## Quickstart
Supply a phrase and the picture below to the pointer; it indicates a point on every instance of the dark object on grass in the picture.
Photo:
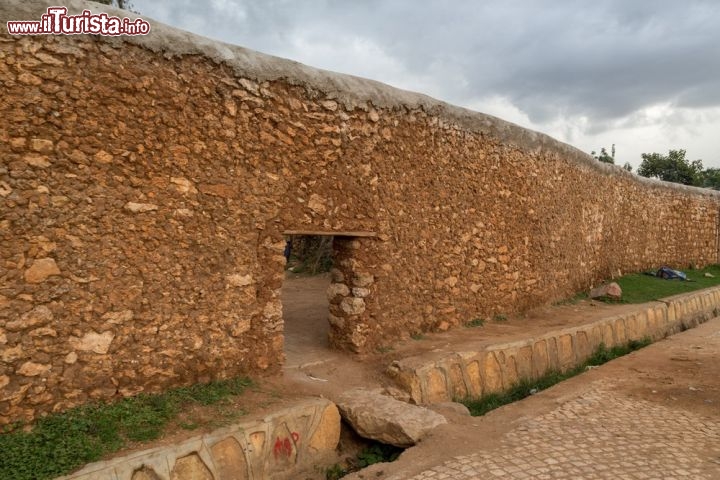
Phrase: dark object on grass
(668, 273)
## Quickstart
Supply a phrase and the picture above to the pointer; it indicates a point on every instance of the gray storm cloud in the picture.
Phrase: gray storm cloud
(603, 61)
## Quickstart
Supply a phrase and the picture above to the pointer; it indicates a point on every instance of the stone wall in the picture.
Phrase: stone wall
(146, 184)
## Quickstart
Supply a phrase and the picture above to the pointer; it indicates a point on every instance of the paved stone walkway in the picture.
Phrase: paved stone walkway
(599, 435)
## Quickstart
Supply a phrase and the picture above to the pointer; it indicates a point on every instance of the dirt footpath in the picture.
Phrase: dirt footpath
(653, 414)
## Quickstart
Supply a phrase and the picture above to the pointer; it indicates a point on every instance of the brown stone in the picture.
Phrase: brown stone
(337, 290)
(385, 419)
(140, 207)
(11, 354)
(190, 467)
(352, 305)
(41, 269)
(238, 280)
(35, 160)
(37, 317)
(32, 369)
(71, 358)
(317, 204)
(103, 157)
(361, 279)
(93, 342)
(229, 459)
(41, 145)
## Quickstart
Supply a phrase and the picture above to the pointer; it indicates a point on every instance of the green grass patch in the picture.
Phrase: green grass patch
(475, 322)
(573, 300)
(526, 387)
(59, 443)
(500, 317)
(640, 288)
(374, 453)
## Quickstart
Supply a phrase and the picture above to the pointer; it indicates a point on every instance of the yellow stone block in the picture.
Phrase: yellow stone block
(541, 361)
(492, 376)
(473, 373)
(326, 436)
(229, 459)
(436, 387)
(190, 467)
(566, 355)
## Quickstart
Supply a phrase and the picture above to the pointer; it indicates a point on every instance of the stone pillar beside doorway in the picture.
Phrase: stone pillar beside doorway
(349, 292)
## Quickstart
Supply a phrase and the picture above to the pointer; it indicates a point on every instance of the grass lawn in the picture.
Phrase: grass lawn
(639, 288)
(61, 442)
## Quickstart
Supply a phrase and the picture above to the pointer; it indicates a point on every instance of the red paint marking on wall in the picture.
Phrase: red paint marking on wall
(283, 447)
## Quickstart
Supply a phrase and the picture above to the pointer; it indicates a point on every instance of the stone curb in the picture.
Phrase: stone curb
(497, 367)
(278, 446)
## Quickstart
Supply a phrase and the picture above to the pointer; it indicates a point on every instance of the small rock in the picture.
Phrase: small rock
(140, 207)
(336, 275)
(93, 342)
(337, 289)
(35, 160)
(317, 204)
(183, 185)
(37, 317)
(611, 290)
(4, 381)
(32, 369)
(41, 145)
(5, 189)
(329, 105)
(103, 157)
(41, 269)
(118, 318)
(363, 279)
(352, 305)
(360, 292)
(709, 275)
(382, 418)
(240, 326)
(237, 280)
(71, 358)
(373, 116)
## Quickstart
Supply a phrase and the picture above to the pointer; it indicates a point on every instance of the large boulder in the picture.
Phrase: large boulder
(382, 418)
(611, 290)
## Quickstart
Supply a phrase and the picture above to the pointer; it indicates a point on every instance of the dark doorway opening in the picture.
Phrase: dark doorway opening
(304, 298)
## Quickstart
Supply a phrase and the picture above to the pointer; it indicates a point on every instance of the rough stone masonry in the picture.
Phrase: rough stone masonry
(146, 184)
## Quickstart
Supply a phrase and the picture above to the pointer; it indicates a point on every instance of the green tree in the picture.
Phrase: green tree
(711, 178)
(604, 156)
(627, 167)
(673, 167)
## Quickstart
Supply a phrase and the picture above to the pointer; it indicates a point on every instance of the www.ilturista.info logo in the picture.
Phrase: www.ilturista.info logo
(57, 22)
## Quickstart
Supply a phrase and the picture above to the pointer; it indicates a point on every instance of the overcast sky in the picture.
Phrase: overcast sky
(643, 74)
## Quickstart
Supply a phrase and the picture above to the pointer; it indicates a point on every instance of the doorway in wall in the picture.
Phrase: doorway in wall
(315, 262)
(304, 297)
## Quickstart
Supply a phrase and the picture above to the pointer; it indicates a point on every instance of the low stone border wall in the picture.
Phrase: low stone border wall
(278, 446)
(497, 367)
